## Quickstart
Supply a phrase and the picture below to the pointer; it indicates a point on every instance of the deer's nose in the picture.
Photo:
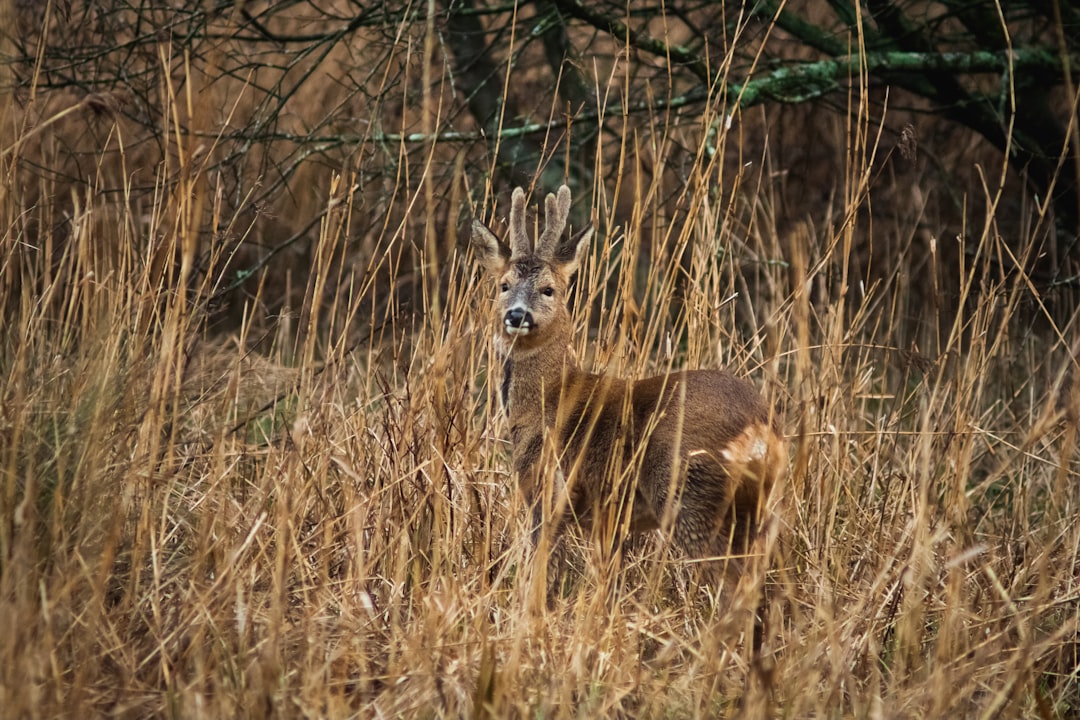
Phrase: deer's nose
(518, 319)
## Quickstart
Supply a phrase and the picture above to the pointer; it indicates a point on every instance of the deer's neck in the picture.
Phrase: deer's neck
(533, 381)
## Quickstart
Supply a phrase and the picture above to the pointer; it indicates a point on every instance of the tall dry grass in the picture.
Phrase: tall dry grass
(313, 516)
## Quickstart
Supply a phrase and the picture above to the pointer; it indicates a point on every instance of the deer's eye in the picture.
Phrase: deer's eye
(505, 287)
(549, 291)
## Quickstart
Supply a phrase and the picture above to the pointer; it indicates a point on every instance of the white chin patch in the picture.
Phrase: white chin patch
(522, 330)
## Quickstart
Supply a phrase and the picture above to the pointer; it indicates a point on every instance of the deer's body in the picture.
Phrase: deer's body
(700, 449)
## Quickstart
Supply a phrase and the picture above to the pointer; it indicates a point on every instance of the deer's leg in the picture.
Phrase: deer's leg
(549, 515)
(709, 526)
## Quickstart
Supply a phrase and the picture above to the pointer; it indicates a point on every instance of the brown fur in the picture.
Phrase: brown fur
(700, 450)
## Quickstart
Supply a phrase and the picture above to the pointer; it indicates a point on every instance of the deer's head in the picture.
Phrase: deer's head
(533, 277)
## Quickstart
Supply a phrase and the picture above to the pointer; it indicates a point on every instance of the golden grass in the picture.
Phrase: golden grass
(312, 516)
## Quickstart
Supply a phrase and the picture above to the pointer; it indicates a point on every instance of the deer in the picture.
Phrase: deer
(692, 452)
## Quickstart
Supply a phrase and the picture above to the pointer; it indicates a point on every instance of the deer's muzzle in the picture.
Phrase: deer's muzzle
(518, 321)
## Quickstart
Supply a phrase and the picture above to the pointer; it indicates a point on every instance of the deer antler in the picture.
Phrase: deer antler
(556, 211)
(520, 246)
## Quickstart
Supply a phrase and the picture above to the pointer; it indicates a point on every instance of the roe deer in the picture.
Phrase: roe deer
(698, 450)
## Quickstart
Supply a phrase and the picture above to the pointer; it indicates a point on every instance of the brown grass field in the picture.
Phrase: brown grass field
(292, 498)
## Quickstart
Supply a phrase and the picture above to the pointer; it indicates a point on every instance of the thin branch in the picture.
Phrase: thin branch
(672, 53)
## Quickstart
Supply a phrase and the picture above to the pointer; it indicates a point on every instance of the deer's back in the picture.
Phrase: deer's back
(706, 425)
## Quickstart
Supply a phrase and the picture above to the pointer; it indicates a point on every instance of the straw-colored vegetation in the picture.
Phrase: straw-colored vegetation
(288, 494)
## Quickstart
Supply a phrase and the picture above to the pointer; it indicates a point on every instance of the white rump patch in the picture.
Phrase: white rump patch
(750, 446)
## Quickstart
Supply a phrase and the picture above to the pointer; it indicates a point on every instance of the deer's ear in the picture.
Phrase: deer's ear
(570, 253)
(492, 253)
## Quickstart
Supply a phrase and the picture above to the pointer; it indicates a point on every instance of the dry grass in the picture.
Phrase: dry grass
(312, 516)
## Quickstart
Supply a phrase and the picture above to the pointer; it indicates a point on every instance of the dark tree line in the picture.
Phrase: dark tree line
(1005, 71)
